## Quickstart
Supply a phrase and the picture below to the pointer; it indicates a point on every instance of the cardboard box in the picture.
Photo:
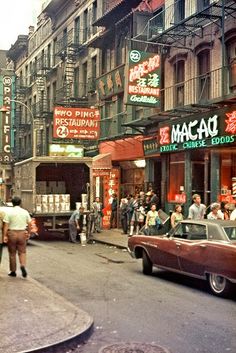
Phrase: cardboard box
(45, 208)
(38, 208)
(51, 207)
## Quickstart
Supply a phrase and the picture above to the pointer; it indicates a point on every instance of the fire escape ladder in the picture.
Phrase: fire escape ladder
(69, 72)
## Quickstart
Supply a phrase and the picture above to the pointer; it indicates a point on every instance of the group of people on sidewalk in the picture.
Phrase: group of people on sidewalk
(139, 211)
(15, 228)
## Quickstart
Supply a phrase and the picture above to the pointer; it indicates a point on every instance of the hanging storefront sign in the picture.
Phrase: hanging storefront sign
(111, 185)
(76, 123)
(211, 129)
(144, 79)
(7, 86)
(111, 83)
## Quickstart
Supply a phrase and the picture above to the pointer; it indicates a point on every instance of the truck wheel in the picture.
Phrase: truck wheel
(219, 285)
(147, 264)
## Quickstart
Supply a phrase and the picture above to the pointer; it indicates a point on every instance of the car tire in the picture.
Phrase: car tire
(219, 285)
(147, 264)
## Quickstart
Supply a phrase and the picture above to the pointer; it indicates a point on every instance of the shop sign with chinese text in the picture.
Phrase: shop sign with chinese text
(111, 83)
(144, 79)
(76, 123)
(211, 129)
(111, 185)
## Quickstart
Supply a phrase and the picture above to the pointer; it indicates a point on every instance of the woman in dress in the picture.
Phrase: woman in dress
(176, 216)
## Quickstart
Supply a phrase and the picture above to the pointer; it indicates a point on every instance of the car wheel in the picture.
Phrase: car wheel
(147, 264)
(219, 285)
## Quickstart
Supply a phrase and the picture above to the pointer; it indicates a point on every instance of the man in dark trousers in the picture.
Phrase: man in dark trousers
(114, 205)
(16, 230)
(75, 224)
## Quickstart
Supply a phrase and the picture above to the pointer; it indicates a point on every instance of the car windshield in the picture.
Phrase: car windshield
(231, 232)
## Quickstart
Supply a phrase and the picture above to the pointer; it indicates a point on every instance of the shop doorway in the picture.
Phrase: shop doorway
(201, 179)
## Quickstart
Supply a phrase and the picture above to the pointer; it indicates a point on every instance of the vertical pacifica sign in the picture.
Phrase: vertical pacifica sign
(144, 79)
(6, 156)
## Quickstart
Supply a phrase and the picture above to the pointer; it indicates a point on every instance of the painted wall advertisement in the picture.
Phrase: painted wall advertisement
(76, 123)
(111, 185)
(144, 79)
(211, 129)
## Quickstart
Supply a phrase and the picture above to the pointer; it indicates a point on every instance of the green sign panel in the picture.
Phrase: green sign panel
(111, 84)
(211, 129)
(144, 79)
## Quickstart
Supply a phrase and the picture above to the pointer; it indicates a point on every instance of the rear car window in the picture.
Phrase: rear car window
(231, 232)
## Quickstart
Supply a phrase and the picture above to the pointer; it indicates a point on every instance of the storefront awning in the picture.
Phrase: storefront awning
(102, 161)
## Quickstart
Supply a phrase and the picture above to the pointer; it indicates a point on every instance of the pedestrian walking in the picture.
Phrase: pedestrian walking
(1, 234)
(75, 225)
(16, 230)
(97, 213)
(215, 212)
(153, 221)
(225, 210)
(124, 215)
(134, 221)
(176, 216)
(197, 210)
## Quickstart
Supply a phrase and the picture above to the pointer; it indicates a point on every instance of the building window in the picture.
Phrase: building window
(76, 83)
(202, 4)
(78, 38)
(231, 61)
(94, 16)
(203, 59)
(179, 83)
(228, 173)
(84, 79)
(176, 176)
(179, 9)
(85, 26)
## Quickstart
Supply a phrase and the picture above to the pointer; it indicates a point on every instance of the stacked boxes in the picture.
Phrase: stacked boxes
(50, 187)
(53, 203)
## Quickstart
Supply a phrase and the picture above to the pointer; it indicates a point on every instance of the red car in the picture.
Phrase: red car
(203, 249)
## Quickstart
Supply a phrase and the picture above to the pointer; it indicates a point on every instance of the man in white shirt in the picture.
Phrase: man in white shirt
(197, 210)
(15, 233)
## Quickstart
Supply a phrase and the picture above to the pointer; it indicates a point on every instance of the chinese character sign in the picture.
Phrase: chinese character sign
(111, 185)
(144, 79)
(76, 123)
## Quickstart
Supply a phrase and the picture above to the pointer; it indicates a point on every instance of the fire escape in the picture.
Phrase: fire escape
(179, 29)
(68, 48)
(183, 26)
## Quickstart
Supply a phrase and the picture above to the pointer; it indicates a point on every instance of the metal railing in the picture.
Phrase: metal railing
(207, 88)
(180, 11)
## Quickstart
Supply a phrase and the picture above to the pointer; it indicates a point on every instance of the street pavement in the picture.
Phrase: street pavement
(34, 318)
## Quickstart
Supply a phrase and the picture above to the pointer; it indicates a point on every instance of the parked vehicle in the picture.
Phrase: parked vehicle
(203, 249)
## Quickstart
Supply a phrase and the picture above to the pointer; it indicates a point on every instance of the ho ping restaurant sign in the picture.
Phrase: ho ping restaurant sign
(143, 79)
(76, 123)
(211, 129)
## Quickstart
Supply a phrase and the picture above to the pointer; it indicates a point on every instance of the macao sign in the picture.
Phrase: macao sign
(76, 123)
(211, 131)
(143, 79)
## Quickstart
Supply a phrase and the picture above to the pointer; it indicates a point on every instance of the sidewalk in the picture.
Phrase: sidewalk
(113, 237)
(32, 317)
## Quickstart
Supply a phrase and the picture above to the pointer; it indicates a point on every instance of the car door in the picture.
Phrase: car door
(166, 249)
(193, 251)
(164, 253)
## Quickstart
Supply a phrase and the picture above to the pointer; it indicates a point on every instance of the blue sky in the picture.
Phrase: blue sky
(16, 17)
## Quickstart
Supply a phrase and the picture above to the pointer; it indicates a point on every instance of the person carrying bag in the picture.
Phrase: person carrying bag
(153, 221)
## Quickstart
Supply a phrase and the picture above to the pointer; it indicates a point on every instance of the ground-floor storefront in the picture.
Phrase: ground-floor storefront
(194, 155)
